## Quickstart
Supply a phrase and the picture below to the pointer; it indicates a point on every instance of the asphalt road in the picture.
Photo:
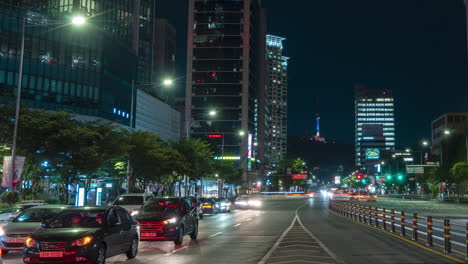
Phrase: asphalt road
(282, 231)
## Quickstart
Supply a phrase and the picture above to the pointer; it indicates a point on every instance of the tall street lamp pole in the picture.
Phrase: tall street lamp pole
(18, 102)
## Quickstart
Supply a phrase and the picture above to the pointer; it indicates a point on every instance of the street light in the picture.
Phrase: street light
(447, 132)
(241, 133)
(168, 82)
(78, 20)
(425, 143)
(212, 113)
(408, 150)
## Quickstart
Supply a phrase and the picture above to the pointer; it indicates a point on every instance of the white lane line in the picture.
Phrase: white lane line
(237, 225)
(248, 219)
(275, 246)
(219, 233)
(175, 250)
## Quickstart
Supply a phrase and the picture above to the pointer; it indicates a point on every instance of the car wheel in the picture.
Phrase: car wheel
(194, 234)
(101, 255)
(180, 236)
(133, 251)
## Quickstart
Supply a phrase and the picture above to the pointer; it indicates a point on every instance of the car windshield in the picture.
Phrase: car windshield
(37, 215)
(78, 219)
(160, 206)
(21, 208)
(129, 200)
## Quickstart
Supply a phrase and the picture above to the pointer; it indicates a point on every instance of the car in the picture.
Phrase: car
(132, 201)
(14, 234)
(209, 206)
(247, 202)
(168, 219)
(11, 213)
(84, 234)
(198, 205)
(224, 204)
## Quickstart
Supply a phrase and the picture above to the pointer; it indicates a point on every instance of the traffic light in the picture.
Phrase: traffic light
(364, 181)
(400, 177)
(389, 177)
(359, 176)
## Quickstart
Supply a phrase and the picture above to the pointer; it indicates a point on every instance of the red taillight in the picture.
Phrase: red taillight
(27, 259)
(81, 259)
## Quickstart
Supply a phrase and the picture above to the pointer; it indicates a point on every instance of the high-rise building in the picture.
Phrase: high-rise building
(87, 69)
(449, 123)
(374, 125)
(225, 70)
(277, 95)
(164, 57)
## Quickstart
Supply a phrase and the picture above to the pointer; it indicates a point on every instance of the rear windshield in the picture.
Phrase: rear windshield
(37, 215)
(78, 219)
(205, 200)
(160, 206)
(129, 200)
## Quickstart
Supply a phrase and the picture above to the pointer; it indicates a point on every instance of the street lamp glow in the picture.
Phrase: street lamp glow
(216, 175)
(168, 82)
(425, 143)
(447, 132)
(408, 150)
(241, 133)
(78, 20)
(212, 113)
(383, 162)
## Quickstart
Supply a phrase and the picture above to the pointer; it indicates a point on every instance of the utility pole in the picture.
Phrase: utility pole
(131, 134)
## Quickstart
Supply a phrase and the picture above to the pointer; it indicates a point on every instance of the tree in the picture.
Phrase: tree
(10, 198)
(459, 173)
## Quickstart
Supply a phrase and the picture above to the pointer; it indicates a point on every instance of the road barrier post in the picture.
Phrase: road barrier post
(447, 248)
(369, 214)
(348, 211)
(376, 217)
(364, 214)
(360, 213)
(403, 224)
(466, 247)
(415, 227)
(429, 232)
(384, 219)
(354, 212)
(392, 221)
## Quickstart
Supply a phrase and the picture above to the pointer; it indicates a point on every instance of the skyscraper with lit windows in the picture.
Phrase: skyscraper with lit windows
(277, 95)
(225, 76)
(374, 125)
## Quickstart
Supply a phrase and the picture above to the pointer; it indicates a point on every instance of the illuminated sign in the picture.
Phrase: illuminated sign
(227, 158)
(215, 136)
(372, 154)
(408, 159)
(299, 176)
(337, 180)
(81, 196)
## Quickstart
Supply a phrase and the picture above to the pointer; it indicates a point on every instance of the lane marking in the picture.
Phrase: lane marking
(403, 239)
(237, 225)
(175, 250)
(275, 246)
(219, 233)
(248, 219)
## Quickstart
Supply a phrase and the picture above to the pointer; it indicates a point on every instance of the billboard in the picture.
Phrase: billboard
(299, 176)
(337, 180)
(372, 154)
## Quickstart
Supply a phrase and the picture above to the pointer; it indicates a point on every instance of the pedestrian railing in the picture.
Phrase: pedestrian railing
(450, 237)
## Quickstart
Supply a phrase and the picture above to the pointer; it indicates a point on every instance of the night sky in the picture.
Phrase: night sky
(415, 47)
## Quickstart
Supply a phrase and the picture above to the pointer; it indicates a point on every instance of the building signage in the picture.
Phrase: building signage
(372, 154)
(215, 136)
(337, 180)
(9, 180)
(299, 176)
(414, 169)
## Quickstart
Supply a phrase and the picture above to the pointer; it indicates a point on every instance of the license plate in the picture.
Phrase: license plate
(51, 254)
(16, 240)
(148, 234)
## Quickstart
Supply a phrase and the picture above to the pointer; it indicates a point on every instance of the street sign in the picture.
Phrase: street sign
(415, 169)
(9, 180)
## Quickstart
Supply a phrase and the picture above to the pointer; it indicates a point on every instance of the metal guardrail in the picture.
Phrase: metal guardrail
(453, 237)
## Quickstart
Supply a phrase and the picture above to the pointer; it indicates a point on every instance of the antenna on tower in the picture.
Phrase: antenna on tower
(317, 125)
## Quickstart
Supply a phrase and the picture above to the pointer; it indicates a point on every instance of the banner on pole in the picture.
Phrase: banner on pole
(8, 179)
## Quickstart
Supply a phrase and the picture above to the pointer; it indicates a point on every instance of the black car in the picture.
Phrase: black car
(167, 219)
(83, 235)
(198, 205)
(224, 204)
(209, 206)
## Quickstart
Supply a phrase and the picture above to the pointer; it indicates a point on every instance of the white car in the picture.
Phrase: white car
(132, 201)
(9, 214)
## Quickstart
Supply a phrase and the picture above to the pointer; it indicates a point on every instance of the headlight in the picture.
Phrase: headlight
(255, 202)
(241, 203)
(82, 242)
(2, 232)
(134, 213)
(30, 243)
(223, 204)
(170, 221)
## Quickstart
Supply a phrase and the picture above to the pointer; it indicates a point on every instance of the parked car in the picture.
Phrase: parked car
(224, 204)
(168, 219)
(84, 234)
(198, 205)
(14, 234)
(132, 201)
(209, 206)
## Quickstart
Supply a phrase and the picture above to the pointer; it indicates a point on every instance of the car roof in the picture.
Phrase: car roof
(31, 204)
(88, 208)
(135, 194)
(166, 198)
(51, 206)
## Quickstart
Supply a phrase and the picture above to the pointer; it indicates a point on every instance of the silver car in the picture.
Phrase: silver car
(132, 201)
(14, 234)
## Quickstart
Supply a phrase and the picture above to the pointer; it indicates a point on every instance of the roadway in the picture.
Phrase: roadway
(282, 231)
